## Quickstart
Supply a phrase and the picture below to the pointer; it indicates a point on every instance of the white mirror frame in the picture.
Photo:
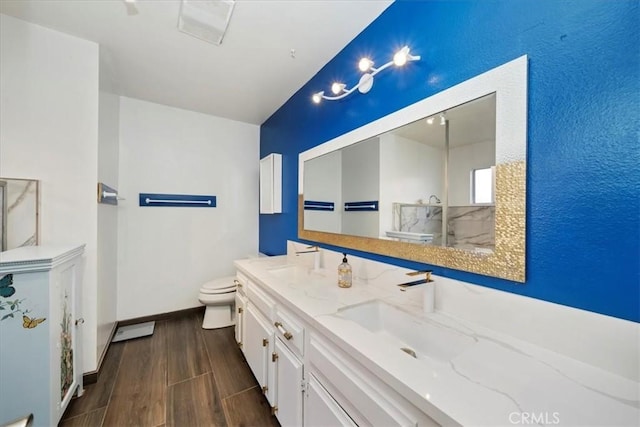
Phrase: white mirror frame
(509, 83)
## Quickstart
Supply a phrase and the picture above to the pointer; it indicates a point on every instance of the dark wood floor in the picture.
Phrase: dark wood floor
(181, 376)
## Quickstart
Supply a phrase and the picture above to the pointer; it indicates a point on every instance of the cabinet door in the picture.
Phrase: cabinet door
(288, 385)
(69, 361)
(271, 184)
(240, 308)
(258, 346)
(321, 409)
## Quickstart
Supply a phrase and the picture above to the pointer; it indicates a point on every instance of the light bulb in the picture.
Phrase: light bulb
(336, 88)
(443, 121)
(317, 97)
(365, 64)
(430, 120)
(400, 58)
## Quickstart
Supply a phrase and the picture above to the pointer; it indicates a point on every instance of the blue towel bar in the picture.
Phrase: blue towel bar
(177, 200)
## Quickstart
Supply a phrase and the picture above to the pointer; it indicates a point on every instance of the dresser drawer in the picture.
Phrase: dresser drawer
(366, 399)
(290, 330)
(259, 299)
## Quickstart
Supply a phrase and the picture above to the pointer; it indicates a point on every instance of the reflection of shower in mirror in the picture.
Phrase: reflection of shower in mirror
(18, 213)
(3, 216)
(424, 219)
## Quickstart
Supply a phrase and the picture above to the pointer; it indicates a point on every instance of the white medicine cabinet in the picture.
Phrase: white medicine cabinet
(271, 184)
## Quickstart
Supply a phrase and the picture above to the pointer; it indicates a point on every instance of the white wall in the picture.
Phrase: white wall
(108, 149)
(323, 183)
(409, 171)
(166, 253)
(462, 160)
(49, 132)
(361, 183)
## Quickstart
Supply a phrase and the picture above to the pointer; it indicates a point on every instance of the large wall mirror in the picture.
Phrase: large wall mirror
(441, 181)
(18, 213)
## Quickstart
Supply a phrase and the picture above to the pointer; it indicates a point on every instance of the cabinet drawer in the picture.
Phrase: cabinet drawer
(367, 399)
(290, 330)
(322, 410)
(259, 299)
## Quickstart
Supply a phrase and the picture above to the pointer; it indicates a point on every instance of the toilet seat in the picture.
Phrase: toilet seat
(219, 286)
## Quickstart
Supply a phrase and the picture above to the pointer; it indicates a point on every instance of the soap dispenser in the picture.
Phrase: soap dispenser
(344, 273)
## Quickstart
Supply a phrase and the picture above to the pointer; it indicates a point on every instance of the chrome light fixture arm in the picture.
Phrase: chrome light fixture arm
(366, 80)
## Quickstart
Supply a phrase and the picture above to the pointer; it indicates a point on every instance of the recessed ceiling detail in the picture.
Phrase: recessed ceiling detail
(206, 19)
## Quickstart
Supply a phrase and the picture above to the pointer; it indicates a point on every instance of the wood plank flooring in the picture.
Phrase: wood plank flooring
(181, 376)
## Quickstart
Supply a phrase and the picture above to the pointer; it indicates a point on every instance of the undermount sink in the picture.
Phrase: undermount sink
(293, 273)
(416, 337)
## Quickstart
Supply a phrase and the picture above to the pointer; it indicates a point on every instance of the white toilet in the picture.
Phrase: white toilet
(219, 297)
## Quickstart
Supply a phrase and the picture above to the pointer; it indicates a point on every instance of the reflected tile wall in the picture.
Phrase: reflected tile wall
(21, 203)
(418, 219)
(470, 227)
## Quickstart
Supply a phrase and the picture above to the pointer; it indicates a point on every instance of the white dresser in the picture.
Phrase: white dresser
(40, 352)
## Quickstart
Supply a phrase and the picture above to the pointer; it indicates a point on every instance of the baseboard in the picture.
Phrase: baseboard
(161, 316)
(92, 377)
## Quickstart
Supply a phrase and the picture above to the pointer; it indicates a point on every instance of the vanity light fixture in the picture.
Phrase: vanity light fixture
(365, 64)
(366, 80)
(443, 119)
(336, 88)
(317, 97)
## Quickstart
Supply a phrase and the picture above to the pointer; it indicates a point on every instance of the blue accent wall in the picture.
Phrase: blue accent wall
(583, 177)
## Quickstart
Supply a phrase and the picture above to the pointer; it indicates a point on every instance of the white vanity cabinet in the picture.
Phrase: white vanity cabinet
(308, 379)
(365, 398)
(273, 344)
(258, 347)
(258, 342)
(289, 385)
(288, 367)
(40, 332)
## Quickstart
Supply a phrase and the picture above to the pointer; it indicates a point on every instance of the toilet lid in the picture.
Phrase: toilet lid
(219, 286)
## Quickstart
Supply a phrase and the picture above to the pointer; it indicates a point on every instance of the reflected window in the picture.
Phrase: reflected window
(482, 185)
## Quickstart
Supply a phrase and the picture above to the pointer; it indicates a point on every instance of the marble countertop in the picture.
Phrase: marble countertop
(493, 379)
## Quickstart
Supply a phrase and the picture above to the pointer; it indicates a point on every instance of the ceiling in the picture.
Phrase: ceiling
(469, 123)
(247, 78)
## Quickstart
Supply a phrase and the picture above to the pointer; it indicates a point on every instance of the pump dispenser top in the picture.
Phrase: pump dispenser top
(344, 273)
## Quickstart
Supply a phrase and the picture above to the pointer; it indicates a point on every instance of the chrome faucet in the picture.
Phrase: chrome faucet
(433, 196)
